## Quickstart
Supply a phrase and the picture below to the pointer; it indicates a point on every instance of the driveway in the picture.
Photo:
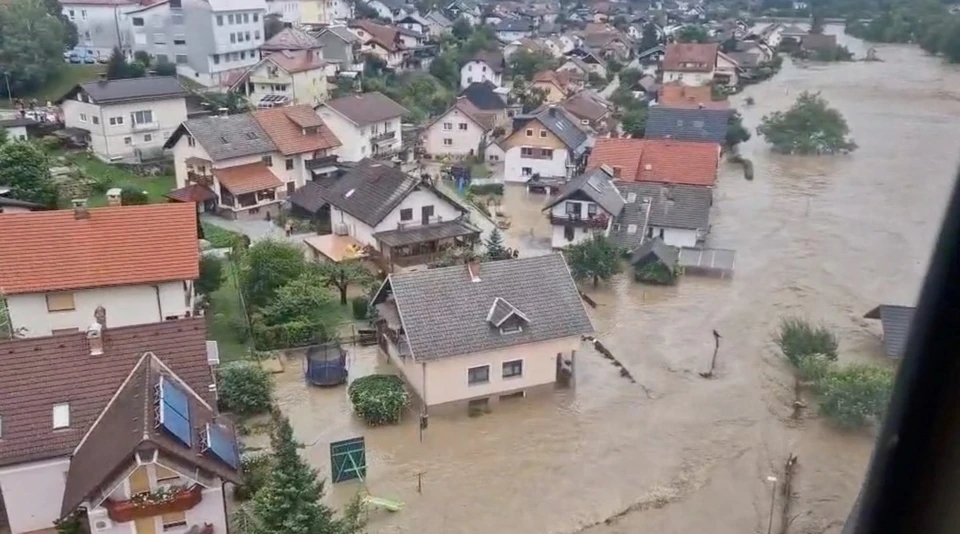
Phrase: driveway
(254, 229)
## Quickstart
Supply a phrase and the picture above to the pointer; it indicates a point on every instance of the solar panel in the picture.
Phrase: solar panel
(175, 424)
(175, 398)
(174, 412)
(222, 446)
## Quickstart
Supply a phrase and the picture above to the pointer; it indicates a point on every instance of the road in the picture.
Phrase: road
(615, 83)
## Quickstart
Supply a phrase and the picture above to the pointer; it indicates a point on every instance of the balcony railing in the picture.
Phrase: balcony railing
(598, 221)
(321, 162)
(154, 504)
(385, 136)
(145, 126)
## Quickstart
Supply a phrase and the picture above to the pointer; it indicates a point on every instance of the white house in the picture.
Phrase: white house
(391, 10)
(82, 259)
(126, 119)
(690, 63)
(513, 29)
(367, 125)
(287, 10)
(405, 221)
(484, 66)
(460, 131)
(286, 77)
(549, 144)
(16, 128)
(588, 204)
(100, 24)
(677, 214)
(69, 440)
(726, 70)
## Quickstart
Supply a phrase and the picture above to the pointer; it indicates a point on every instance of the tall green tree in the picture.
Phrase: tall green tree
(267, 266)
(629, 77)
(649, 38)
(596, 258)
(290, 500)
(495, 250)
(342, 275)
(811, 126)
(31, 45)
(54, 8)
(526, 63)
(693, 33)
(211, 274)
(736, 132)
(634, 122)
(272, 25)
(26, 169)
(461, 29)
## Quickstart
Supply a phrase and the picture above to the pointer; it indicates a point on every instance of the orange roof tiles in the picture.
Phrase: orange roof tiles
(690, 57)
(248, 178)
(54, 251)
(658, 160)
(689, 97)
(286, 126)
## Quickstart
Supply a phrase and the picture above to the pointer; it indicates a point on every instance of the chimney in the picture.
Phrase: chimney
(95, 339)
(552, 110)
(114, 196)
(473, 267)
(100, 314)
(80, 209)
(700, 105)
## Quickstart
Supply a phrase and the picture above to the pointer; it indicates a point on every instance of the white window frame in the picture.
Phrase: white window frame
(61, 415)
(487, 381)
(138, 115)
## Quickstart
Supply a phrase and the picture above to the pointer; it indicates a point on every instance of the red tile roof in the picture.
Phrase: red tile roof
(286, 126)
(294, 61)
(657, 160)
(55, 251)
(691, 57)
(674, 95)
(40, 372)
(192, 193)
(387, 37)
(248, 178)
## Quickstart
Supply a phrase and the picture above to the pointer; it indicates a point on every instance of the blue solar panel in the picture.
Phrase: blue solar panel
(222, 445)
(175, 398)
(175, 412)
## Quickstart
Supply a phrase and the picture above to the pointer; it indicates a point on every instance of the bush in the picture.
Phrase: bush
(487, 189)
(360, 305)
(131, 196)
(49, 143)
(245, 388)
(211, 274)
(379, 399)
(797, 338)
(255, 468)
(855, 396)
(165, 68)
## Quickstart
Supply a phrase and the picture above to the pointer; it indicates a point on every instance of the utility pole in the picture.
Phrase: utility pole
(6, 76)
(773, 499)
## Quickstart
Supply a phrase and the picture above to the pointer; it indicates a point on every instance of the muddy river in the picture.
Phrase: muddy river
(827, 238)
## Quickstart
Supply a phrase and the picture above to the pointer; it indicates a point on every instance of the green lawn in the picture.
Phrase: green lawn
(57, 86)
(225, 322)
(219, 237)
(118, 176)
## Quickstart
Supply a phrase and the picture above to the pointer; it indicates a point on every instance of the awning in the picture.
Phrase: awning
(336, 248)
(192, 193)
(424, 233)
(248, 178)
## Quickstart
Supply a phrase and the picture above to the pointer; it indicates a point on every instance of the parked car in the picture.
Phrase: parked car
(82, 55)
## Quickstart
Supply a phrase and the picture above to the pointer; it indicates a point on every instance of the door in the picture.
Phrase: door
(426, 212)
(145, 525)
(291, 187)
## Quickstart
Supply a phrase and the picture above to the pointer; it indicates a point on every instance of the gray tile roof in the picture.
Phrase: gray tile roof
(557, 121)
(669, 206)
(596, 184)
(514, 25)
(291, 39)
(310, 196)
(370, 191)
(426, 232)
(367, 108)
(439, 18)
(482, 96)
(343, 33)
(131, 89)
(895, 321)
(243, 136)
(445, 313)
(502, 310)
(702, 125)
(656, 248)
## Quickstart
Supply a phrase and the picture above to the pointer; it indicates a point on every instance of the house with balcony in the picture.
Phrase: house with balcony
(367, 125)
(460, 131)
(137, 261)
(690, 63)
(586, 205)
(549, 144)
(126, 120)
(400, 220)
(305, 144)
(120, 421)
(395, 46)
(492, 331)
(286, 77)
(484, 66)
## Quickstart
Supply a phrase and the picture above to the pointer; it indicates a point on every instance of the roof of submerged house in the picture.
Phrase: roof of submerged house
(701, 125)
(657, 160)
(656, 248)
(596, 184)
(895, 321)
(675, 95)
(450, 311)
(690, 57)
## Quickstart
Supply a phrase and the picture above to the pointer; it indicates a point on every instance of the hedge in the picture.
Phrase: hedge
(379, 399)
(245, 388)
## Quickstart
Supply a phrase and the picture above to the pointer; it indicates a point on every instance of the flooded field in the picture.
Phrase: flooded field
(827, 238)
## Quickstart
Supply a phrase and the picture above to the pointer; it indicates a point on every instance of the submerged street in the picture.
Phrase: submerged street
(827, 238)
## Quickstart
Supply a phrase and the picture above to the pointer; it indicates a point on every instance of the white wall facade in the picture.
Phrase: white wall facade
(33, 493)
(558, 236)
(113, 131)
(99, 27)
(515, 164)
(288, 10)
(356, 139)
(675, 237)
(16, 133)
(125, 305)
(363, 233)
(478, 72)
(688, 78)
(462, 142)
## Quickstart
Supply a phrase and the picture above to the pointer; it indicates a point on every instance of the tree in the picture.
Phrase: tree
(305, 299)
(596, 258)
(343, 274)
(798, 339)
(461, 29)
(267, 266)
(529, 97)
(165, 68)
(290, 499)
(816, 22)
(494, 245)
(133, 196)
(693, 33)
(116, 65)
(3, 135)
(634, 122)
(245, 388)
(856, 395)
(273, 24)
(142, 57)
(232, 102)
(649, 38)
(211, 274)
(31, 45)
(26, 170)
(613, 67)
(811, 126)
(379, 399)
(526, 63)
(70, 38)
(629, 77)
(736, 133)
(444, 68)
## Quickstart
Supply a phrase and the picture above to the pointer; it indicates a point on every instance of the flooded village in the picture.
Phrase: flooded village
(345, 233)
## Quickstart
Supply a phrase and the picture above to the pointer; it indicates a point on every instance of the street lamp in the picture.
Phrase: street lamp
(773, 499)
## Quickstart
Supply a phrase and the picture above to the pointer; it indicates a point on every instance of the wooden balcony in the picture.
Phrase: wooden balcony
(598, 221)
(139, 507)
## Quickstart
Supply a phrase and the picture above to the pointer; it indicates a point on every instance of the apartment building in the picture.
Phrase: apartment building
(100, 23)
(225, 37)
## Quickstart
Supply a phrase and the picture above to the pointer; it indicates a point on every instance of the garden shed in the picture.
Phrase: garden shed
(656, 262)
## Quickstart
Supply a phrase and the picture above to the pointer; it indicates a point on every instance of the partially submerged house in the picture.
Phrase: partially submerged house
(482, 332)
(895, 321)
(679, 215)
(656, 262)
(367, 124)
(690, 63)
(459, 132)
(676, 95)
(549, 143)
(658, 160)
(586, 205)
(696, 125)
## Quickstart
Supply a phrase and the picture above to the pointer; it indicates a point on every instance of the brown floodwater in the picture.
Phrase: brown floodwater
(827, 238)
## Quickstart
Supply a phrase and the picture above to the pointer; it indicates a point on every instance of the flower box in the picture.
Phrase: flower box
(177, 500)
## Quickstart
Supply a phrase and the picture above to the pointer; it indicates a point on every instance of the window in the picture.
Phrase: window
(164, 474)
(1, 427)
(147, 138)
(128, 140)
(569, 232)
(526, 152)
(83, 14)
(631, 229)
(230, 18)
(513, 368)
(83, 117)
(233, 37)
(72, 15)
(216, 59)
(243, 54)
(529, 132)
(469, 79)
(219, 20)
(447, 141)
(591, 210)
(256, 17)
(543, 133)
(256, 35)
(143, 117)
(177, 19)
(173, 520)
(478, 375)
(267, 160)
(138, 21)
(406, 214)
(469, 68)
(246, 36)
(179, 39)
(448, 126)
(546, 152)
(246, 18)
(96, 120)
(661, 233)
(60, 302)
(159, 38)
(162, 58)
(526, 171)
(463, 126)
(61, 415)
(181, 59)
(288, 164)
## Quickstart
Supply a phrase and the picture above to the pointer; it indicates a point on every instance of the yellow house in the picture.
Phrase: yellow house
(557, 85)
(286, 77)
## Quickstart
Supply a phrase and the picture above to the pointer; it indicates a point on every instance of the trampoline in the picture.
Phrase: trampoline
(326, 365)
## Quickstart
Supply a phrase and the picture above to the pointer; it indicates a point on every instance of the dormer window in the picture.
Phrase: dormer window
(506, 318)
(61, 416)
